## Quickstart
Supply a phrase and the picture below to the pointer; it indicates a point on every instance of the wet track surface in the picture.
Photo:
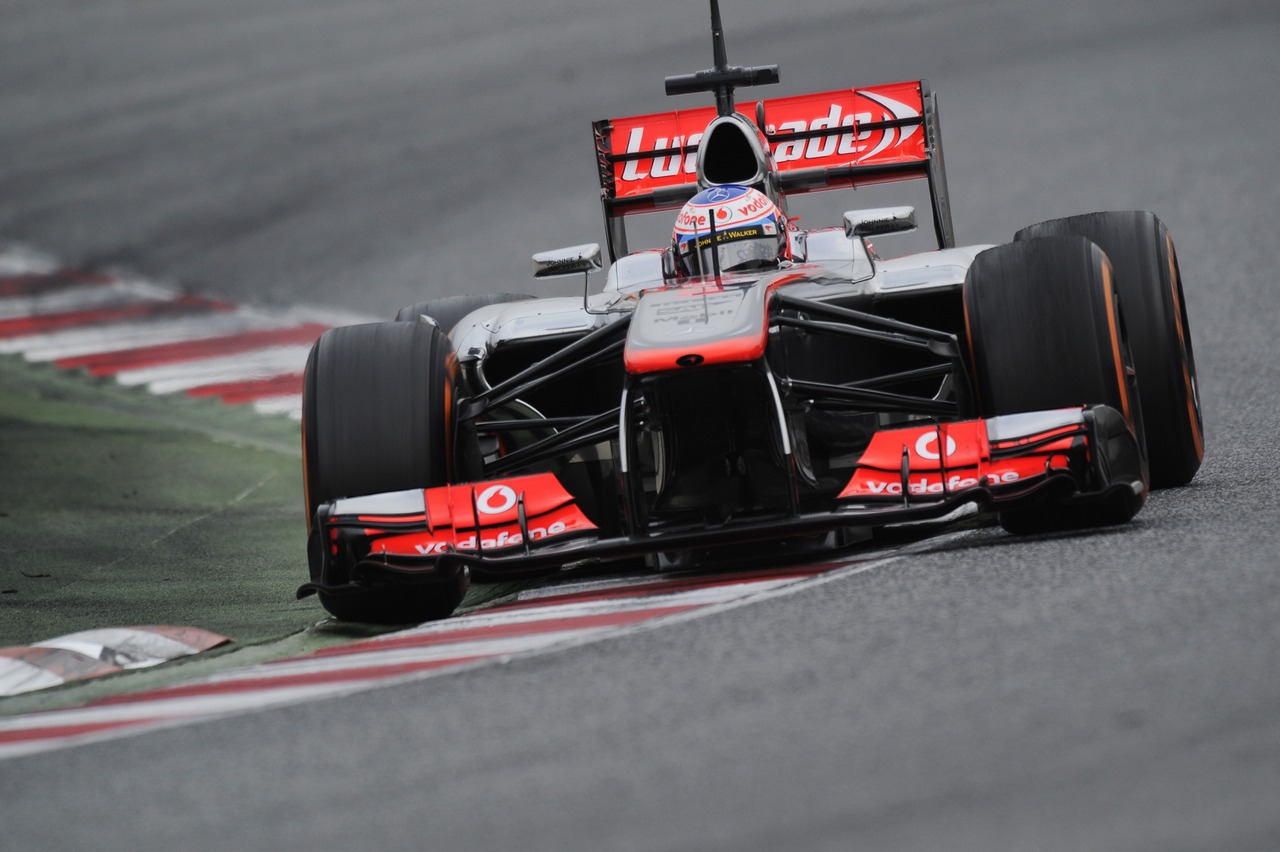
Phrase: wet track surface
(1106, 690)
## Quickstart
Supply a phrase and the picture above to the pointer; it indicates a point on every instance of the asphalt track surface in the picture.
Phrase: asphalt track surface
(1113, 690)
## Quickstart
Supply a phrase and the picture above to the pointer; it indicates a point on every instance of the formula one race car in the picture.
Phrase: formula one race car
(749, 381)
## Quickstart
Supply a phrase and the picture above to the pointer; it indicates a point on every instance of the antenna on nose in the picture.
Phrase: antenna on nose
(723, 78)
(718, 51)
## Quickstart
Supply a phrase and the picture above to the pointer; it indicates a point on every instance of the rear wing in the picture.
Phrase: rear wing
(834, 140)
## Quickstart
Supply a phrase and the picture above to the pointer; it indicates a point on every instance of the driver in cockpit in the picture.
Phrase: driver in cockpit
(729, 228)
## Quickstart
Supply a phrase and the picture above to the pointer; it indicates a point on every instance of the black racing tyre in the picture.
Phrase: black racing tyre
(1150, 287)
(448, 310)
(1045, 332)
(398, 604)
(376, 416)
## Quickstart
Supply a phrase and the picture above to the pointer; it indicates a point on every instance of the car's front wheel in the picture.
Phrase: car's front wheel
(1149, 283)
(376, 417)
(1045, 332)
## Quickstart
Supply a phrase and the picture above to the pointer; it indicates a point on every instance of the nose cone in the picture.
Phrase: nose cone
(696, 324)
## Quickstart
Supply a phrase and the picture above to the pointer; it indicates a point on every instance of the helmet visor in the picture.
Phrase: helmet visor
(737, 250)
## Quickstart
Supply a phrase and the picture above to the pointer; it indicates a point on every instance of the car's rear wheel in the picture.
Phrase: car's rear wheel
(1045, 332)
(1150, 287)
(376, 417)
(448, 310)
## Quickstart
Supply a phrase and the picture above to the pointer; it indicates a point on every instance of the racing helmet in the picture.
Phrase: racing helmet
(729, 227)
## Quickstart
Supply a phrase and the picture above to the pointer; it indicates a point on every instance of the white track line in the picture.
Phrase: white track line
(258, 364)
(124, 336)
(288, 405)
(22, 260)
(84, 298)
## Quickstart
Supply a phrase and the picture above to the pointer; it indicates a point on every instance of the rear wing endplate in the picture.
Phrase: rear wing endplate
(833, 140)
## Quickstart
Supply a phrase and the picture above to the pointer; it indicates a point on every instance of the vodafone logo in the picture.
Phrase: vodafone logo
(432, 548)
(496, 499)
(727, 208)
(926, 485)
(753, 204)
(927, 444)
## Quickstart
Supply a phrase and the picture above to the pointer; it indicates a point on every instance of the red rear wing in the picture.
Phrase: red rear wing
(841, 139)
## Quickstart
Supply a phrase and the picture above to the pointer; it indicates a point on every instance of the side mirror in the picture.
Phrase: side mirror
(567, 261)
(880, 220)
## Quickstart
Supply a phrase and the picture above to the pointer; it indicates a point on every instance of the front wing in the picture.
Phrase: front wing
(525, 523)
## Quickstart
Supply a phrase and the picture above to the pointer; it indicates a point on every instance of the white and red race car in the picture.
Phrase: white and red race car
(714, 395)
